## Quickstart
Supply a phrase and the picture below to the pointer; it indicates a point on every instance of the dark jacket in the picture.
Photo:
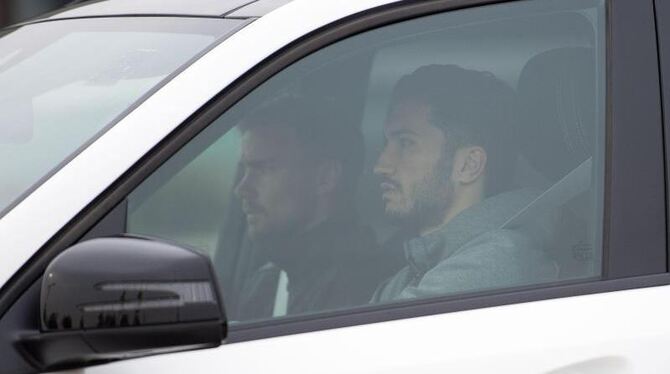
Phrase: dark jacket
(335, 265)
(473, 252)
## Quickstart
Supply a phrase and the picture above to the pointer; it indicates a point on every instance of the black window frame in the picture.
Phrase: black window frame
(662, 12)
(634, 137)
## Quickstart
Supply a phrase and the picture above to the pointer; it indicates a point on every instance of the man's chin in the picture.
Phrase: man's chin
(409, 216)
(262, 235)
(397, 214)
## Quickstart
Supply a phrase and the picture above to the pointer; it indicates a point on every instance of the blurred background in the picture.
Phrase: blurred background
(14, 11)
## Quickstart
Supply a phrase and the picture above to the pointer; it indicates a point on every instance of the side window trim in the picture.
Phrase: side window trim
(435, 306)
(662, 11)
(635, 220)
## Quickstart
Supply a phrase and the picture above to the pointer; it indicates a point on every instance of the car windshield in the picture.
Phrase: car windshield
(64, 83)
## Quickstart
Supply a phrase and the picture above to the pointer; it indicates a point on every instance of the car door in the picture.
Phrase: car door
(598, 215)
(557, 335)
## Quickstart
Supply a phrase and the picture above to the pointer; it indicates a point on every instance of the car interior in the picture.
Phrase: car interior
(555, 70)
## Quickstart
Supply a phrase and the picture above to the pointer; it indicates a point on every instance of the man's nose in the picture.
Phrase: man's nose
(243, 189)
(383, 166)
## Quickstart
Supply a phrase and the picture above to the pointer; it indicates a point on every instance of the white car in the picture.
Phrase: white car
(502, 164)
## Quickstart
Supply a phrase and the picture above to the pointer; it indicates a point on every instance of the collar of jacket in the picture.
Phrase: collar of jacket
(424, 252)
(321, 249)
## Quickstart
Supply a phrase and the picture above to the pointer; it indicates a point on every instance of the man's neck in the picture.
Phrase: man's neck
(459, 204)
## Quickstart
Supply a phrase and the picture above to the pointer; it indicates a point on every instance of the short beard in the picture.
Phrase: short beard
(431, 197)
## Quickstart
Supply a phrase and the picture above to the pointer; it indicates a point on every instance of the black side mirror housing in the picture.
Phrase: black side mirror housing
(112, 298)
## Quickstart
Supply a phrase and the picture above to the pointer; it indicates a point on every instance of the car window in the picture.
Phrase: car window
(71, 79)
(451, 154)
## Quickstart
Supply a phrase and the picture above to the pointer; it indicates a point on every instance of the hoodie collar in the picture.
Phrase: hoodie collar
(424, 252)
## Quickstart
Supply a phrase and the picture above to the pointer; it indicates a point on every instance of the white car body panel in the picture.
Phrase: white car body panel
(613, 333)
(41, 215)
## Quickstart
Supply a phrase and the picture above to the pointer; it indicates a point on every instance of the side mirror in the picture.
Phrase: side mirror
(112, 298)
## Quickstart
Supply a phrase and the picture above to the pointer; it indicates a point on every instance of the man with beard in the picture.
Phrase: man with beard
(301, 168)
(446, 173)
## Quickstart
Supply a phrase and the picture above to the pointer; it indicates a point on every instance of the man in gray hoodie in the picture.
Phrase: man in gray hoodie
(447, 178)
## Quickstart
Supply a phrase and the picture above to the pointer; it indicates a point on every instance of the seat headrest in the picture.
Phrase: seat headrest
(557, 104)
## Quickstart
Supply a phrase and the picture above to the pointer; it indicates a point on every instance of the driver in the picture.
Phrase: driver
(301, 168)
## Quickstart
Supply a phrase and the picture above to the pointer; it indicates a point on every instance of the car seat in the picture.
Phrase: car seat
(557, 91)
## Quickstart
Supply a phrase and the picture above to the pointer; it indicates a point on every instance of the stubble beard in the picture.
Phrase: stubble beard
(275, 237)
(427, 201)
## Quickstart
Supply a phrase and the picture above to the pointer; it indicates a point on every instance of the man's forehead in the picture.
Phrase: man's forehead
(407, 116)
(269, 142)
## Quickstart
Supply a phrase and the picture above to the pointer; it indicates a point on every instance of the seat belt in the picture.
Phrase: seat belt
(574, 183)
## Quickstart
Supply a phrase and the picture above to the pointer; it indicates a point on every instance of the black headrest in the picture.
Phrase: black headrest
(557, 103)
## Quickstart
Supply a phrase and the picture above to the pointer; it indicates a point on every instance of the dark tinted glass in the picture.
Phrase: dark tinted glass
(450, 154)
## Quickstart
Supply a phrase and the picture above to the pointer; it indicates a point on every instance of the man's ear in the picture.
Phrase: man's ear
(469, 164)
(328, 175)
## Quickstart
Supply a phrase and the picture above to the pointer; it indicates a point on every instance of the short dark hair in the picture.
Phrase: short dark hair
(472, 108)
(320, 129)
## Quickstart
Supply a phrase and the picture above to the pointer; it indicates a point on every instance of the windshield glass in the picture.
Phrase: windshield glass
(63, 83)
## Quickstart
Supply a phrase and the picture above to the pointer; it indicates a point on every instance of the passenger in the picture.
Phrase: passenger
(300, 175)
(447, 177)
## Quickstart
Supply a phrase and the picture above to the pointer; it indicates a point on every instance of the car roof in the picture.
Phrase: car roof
(199, 8)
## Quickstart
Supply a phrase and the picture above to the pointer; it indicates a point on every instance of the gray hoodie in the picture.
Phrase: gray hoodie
(472, 252)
